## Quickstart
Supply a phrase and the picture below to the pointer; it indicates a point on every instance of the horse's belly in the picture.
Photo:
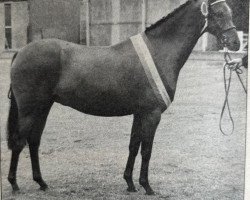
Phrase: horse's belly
(99, 105)
(104, 112)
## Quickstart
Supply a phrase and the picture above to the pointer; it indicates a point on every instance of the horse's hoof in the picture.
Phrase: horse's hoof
(44, 188)
(132, 189)
(150, 192)
(15, 188)
(15, 192)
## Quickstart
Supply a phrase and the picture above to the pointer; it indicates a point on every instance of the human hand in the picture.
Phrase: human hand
(235, 61)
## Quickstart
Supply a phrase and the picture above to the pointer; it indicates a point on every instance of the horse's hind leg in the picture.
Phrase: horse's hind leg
(31, 122)
(134, 145)
(13, 169)
(34, 142)
(18, 142)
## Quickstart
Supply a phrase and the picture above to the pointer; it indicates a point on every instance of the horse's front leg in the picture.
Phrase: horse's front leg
(149, 122)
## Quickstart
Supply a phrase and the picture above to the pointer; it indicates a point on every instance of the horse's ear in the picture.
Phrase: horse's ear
(204, 8)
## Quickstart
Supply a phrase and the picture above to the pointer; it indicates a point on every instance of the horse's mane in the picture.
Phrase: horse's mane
(169, 16)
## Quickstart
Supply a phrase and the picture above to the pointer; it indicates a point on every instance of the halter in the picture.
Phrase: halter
(205, 12)
(219, 1)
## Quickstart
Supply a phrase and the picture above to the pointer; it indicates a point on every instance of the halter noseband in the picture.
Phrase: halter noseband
(206, 13)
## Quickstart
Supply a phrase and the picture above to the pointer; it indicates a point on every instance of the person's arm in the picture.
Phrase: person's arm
(241, 61)
(245, 61)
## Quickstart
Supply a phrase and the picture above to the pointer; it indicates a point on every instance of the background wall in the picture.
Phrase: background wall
(240, 13)
(2, 33)
(108, 22)
(54, 19)
(111, 21)
(19, 24)
(20, 20)
(97, 22)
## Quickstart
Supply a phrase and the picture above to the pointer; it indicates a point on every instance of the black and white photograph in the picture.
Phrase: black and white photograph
(124, 100)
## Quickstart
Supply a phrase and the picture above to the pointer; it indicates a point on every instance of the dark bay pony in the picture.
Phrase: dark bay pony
(107, 81)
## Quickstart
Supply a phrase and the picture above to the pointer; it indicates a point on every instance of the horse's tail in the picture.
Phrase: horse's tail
(12, 124)
(14, 57)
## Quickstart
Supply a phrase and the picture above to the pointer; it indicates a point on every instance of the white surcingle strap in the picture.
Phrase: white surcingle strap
(150, 69)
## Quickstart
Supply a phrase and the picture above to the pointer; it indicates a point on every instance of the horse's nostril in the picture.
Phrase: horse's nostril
(237, 43)
(235, 46)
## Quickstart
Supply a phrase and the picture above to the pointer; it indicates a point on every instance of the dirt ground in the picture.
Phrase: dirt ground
(83, 157)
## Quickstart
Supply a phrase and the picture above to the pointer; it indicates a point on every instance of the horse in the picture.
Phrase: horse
(108, 81)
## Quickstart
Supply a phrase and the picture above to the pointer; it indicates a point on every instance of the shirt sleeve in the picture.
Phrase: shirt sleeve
(245, 61)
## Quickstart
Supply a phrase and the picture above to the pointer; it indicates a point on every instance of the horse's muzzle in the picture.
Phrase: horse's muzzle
(230, 39)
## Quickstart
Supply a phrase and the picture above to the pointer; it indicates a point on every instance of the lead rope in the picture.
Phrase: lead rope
(234, 67)
(227, 84)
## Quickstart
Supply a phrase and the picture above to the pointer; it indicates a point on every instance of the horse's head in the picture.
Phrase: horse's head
(219, 22)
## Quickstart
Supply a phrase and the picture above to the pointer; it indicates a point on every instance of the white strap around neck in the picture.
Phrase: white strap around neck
(150, 69)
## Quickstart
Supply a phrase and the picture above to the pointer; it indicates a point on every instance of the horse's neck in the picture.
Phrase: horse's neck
(173, 41)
